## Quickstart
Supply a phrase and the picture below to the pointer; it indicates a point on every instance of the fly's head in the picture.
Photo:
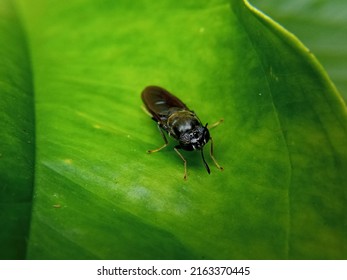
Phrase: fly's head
(194, 139)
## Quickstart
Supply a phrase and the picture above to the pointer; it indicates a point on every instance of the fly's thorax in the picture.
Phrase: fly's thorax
(180, 122)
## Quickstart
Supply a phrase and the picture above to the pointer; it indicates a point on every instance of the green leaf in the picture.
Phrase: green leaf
(16, 136)
(98, 195)
(322, 25)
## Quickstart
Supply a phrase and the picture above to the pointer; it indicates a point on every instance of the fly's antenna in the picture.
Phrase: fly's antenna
(203, 159)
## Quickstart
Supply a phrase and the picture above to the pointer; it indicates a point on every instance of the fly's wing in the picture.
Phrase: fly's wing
(159, 102)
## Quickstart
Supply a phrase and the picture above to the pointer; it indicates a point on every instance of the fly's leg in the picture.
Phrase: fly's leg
(213, 158)
(211, 149)
(165, 140)
(184, 160)
(216, 124)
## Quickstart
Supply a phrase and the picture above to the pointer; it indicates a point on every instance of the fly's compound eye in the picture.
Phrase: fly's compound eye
(206, 135)
(195, 135)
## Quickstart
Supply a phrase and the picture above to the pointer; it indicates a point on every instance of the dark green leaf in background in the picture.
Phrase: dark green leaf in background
(16, 136)
(98, 195)
(321, 25)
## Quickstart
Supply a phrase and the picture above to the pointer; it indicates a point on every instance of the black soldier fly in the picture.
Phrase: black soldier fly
(173, 116)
